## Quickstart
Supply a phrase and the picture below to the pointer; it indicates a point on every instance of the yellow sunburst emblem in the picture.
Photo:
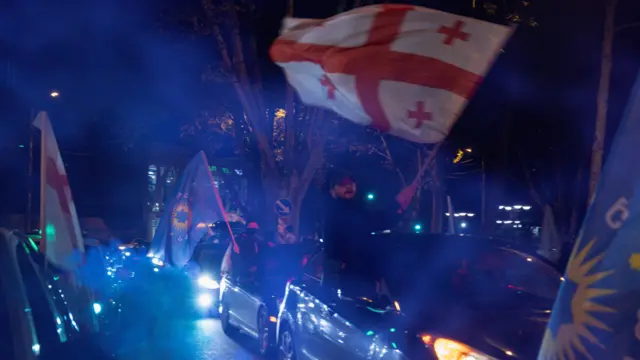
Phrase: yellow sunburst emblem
(575, 309)
(634, 261)
(181, 218)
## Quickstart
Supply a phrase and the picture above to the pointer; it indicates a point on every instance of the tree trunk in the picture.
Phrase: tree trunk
(438, 197)
(274, 191)
(437, 209)
(597, 148)
(415, 214)
(575, 204)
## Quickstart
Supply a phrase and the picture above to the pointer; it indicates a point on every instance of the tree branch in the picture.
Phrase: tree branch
(240, 64)
(535, 196)
(428, 164)
(312, 119)
(249, 107)
(289, 129)
(374, 150)
(392, 163)
(256, 67)
(315, 158)
(627, 26)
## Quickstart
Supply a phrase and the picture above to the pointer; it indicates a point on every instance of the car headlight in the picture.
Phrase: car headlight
(206, 282)
(97, 308)
(205, 300)
(446, 349)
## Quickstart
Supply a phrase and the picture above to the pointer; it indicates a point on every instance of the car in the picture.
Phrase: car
(220, 231)
(204, 270)
(37, 320)
(446, 297)
(205, 265)
(138, 247)
(251, 305)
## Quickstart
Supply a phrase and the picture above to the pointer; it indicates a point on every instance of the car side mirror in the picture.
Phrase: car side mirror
(385, 302)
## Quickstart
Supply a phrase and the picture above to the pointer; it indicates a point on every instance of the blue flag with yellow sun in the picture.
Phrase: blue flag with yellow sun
(186, 219)
(597, 311)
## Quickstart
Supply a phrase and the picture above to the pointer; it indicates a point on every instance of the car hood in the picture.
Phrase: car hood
(499, 331)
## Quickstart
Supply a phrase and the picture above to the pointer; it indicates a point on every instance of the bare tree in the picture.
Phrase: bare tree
(214, 132)
(289, 137)
(602, 105)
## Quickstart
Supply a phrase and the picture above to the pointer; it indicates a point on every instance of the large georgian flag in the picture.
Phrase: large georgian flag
(403, 69)
(62, 240)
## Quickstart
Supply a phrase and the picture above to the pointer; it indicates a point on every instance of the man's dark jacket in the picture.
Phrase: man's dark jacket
(248, 244)
(348, 227)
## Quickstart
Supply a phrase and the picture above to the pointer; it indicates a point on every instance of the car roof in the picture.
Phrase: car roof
(439, 243)
(433, 239)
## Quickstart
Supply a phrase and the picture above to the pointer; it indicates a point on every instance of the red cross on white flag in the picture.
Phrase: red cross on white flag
(403, 69)
(62, 240)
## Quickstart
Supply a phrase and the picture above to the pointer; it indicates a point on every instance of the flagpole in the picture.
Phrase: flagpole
(30, 175)
(484, 197)
(43, 188)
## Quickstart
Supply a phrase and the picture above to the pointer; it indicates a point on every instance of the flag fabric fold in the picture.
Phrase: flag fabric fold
(62, 240)
(404, 69)
(186, 219)
(597, 311)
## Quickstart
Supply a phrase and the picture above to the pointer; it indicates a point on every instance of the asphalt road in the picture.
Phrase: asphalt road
(212, 343)
(159, 323)
(189, 340)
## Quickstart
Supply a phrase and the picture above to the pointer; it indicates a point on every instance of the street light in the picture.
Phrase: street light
(54, 94)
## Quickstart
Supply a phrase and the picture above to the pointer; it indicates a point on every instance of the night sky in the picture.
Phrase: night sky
(117, 65)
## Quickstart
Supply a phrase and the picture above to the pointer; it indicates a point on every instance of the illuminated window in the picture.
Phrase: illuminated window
(152, 178)
(171, 176)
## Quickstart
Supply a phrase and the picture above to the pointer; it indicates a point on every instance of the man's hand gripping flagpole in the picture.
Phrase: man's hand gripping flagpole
(405, 196)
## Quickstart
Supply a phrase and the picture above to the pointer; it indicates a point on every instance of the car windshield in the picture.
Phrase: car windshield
(479, 272)
(220, 232)
(512, 269)
(6, 330)
(441, 268)
(209, 256)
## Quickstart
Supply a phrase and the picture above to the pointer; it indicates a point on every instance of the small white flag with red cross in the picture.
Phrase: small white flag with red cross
(62, 240)
(403, 69)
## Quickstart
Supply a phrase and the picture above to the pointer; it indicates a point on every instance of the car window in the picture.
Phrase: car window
(6, 330)
(437, 270)
(284, 260)
(516, 270)
(209, 257)
(312, 265)
(45, 322)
